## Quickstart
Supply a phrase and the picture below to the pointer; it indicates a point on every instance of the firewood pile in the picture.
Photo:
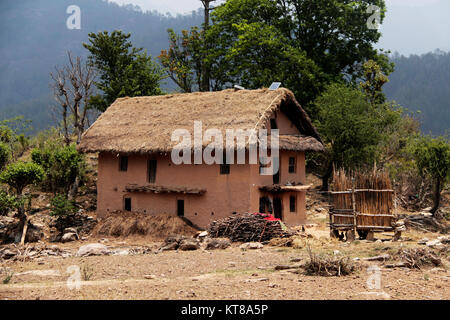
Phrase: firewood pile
(247, 228)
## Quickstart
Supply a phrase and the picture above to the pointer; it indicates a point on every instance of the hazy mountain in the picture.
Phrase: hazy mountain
(422, 83)
(34, 38)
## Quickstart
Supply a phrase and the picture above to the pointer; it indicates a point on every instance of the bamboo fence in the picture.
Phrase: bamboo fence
(362, 201)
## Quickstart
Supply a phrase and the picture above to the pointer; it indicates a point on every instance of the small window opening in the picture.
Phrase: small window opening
(273, 124)
(292, 164)
(123, 163)
(180, 208)
(224, 168)
(152, 171)
(292, 203)
(127, 204)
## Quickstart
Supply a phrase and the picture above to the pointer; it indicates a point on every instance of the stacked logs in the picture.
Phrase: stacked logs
(247, 228)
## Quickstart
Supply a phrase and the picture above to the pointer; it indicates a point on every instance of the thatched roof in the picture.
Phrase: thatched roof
(145, 124)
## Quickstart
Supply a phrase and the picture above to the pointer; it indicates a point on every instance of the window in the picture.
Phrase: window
(127, 204)
(273, 124)
(152, 171)
(292, 164)
(292, 203)
(180, 208)
(276, 176)
(224, 168)
(262, 205)
(123, 163)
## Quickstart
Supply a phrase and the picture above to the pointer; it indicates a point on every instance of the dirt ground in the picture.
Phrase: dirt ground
(224, 274)
(230, 273)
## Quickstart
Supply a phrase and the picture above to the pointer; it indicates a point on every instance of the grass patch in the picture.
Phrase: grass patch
(9, 275)
(87, 272)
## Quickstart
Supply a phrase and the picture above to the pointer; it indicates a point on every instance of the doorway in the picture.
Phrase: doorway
(277, 208)
(180, 208)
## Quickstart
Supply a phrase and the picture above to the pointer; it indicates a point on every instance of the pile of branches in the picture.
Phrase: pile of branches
(426, 223)
(418, 258)
(247, 228)
(328, 265)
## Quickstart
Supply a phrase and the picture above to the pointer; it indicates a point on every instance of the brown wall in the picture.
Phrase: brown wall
(236, 192)
(225, 194)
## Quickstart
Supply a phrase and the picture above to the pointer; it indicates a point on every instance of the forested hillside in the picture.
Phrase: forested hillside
(35, 39)
(422, 83)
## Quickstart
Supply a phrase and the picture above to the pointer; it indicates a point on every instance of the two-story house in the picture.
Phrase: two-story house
(133, 138)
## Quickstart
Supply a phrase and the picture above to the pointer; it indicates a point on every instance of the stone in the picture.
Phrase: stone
(149, 276)
(170, 246)
(70, 230)
(203, 234)
(382, 257)
(444, 239)
(92, 249)
(189, 244)
(213, 244)
(251, 246)
(282, 267)
(433, 243)
(67, 237)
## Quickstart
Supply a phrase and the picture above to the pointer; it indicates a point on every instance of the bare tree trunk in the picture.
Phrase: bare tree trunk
(74, 189)
(326, 177)
(437, 197)
(206, 71)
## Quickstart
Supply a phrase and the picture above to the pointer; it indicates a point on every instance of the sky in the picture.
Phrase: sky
(410, 27)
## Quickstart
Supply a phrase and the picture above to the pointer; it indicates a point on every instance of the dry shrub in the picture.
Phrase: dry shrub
(281, 242)
(418, 257)
(328, 265)
(123, 224)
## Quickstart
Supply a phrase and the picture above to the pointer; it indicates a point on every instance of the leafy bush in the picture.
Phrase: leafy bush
(62, 165)
(4, 154)
(21, 174)
(7, 202)
(61, 206)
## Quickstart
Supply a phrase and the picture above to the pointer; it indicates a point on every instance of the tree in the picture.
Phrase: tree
(432, 157)
(73, 87)
(329, 38)
(374, 81)
(183, 60)
(4, 154)
(63, 167)
(351, 127)
(124, 70)
(186, 60)
(19, 175)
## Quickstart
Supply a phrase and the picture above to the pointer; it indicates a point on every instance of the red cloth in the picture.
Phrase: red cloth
(267, 216)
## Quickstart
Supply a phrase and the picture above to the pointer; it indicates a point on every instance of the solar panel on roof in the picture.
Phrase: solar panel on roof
(275, 85)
